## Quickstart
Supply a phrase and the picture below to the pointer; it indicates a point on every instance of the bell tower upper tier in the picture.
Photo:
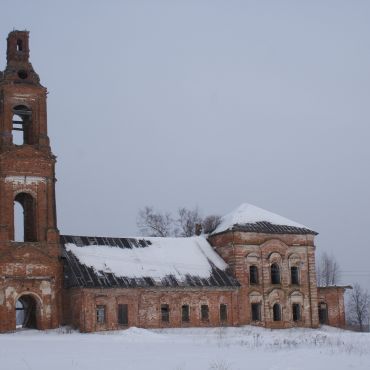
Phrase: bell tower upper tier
(27, 165)
(22, 99)
(19, 69)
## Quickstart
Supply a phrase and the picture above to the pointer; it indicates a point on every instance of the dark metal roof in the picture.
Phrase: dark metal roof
(268, 228)
(77, 274)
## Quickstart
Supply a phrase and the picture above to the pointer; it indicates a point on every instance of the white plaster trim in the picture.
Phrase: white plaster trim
(25, 180)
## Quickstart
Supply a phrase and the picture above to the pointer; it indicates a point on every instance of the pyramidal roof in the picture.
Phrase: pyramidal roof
(250, 218)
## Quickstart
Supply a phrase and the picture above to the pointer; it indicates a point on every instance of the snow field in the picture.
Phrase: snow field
(184, 349)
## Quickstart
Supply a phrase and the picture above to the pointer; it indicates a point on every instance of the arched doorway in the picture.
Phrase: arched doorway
(26, 312)
(323, 313)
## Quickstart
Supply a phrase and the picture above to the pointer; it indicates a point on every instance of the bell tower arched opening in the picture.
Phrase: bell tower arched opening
(26, 312)
(28, 222)
(22, 125)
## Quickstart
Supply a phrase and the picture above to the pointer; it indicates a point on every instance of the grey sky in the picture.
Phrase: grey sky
(209, 104)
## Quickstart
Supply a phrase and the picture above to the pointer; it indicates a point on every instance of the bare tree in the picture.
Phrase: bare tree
(327, 270)
(154, 223)
(187, 221)
(358, 306)
(210, 223)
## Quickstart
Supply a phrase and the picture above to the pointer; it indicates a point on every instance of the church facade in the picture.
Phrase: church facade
(255, 268)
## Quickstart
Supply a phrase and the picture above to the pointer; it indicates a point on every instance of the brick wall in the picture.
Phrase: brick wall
(333, 297)
(144, 307)
(242, 250)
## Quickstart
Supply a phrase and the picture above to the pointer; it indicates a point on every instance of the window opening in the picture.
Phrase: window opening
(25, 312)
(256, 311)
(185, 314)
(18, 222)
(100, 314)
(276, 312)
(223, 312)
(323, 313)
(123, 314)
(296, 308)
(204, 312)
(253, 275)
(294, 274)
(275, 274)
(22, 74)
(24, 218)
(19, 45)
(165, 313)
(17, 130)
(22, 125)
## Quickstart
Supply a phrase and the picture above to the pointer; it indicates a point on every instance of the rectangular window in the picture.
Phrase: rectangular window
(294, 274)
(165, 313)
(296, 308)
(223, 312)
(185, 316)
(123, 314)
(204, 312)
(100, 314)
(256, 312)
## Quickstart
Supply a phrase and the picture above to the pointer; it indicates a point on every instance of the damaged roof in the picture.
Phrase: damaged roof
(249, 218)
(102, 262)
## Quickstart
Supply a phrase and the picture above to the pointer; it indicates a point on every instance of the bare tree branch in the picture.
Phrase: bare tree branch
(210, 223)
(327, 270)
(152, 223)
(187, 221)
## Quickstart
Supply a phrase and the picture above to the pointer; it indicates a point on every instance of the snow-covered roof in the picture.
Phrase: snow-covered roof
(132, 262)
(250, 218)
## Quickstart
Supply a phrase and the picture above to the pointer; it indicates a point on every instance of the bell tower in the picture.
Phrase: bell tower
(30, 268)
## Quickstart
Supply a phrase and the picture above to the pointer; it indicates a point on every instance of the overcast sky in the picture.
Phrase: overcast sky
(208, 104)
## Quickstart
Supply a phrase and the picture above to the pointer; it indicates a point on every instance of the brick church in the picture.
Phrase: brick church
(256, 268)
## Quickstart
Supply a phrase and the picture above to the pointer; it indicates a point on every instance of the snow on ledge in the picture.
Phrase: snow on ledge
(165, 256)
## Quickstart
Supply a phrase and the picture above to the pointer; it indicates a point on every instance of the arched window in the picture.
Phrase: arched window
(29, 215)
(223, 313)
(22, 125)
(253, 274)
(204, 312)
(256, 311)
(294, 275)
(276, 312)
(275, 274)
(19, 45)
